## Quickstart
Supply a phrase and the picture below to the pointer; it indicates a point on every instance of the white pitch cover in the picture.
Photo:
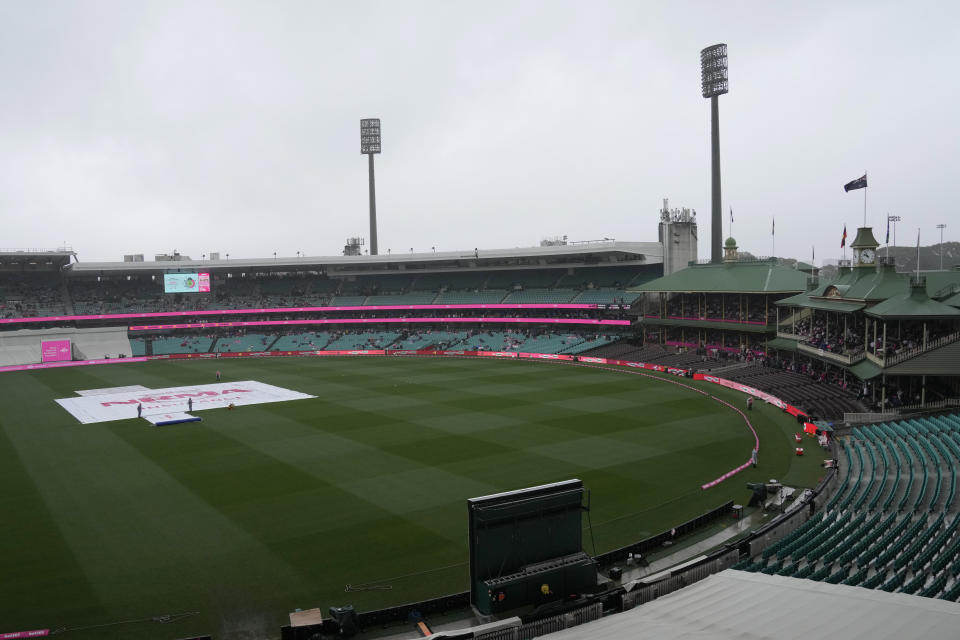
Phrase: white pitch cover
(135, 388)
(123, 405)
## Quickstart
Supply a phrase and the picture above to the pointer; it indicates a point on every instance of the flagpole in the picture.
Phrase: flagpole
(918, 253)
(864, 201)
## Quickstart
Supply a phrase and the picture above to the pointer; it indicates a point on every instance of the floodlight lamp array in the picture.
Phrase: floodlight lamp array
(713, 71)
(370, 135)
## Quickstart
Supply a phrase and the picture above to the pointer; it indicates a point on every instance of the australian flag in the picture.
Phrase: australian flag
(859, 183)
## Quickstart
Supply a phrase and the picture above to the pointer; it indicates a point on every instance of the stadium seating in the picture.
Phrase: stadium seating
(604, 296)
(540, 296)
(244, 343)
(407, 298)
(891, 523)
(361, 340)
(814, 397)
(196, 344)
(489, 296)
(302, 341)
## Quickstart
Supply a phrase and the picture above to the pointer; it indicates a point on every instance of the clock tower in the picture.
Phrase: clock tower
(864, 248)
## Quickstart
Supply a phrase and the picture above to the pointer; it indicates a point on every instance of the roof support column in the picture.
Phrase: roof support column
(923, 391)
(884, 343)
(883, 392)
(924, 336)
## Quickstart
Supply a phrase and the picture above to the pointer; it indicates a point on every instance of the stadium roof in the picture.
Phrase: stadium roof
(35, 259)
(914, 304)
(601, 253)
(736, 604)
(855, 287)
(730, 277)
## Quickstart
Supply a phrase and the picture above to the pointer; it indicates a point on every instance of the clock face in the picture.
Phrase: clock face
(866, 256)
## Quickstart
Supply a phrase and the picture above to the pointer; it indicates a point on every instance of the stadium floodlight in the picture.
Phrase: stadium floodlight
(941, 227)
(713, 71)
(713, 81)
(370, 145)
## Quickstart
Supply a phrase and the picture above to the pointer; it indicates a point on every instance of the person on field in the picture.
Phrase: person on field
(218, 375)
(749, 403)
(139, 410)
(189, 404)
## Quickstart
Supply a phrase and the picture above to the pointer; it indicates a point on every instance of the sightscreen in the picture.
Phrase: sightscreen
(186, 283)
(512, 531)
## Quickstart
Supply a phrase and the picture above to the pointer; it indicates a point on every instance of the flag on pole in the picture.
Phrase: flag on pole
(773, 227)
(813, 254)
(731, 214)
(887, 241)
(859, 183)
(843, 240)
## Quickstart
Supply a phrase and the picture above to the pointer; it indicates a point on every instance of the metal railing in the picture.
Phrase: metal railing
(644, 593)
(912, 353)
(552, 624)
(870, 417)
(36, 250)
(839, 358)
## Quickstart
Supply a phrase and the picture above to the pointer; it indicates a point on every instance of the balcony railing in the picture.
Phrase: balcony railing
(912, 353)
(839, 358)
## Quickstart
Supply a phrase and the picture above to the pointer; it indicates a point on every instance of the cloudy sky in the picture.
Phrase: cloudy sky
(144, 127)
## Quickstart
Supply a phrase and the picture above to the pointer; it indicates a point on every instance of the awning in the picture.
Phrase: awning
(865, 370)
(784, 344)
(833, 305)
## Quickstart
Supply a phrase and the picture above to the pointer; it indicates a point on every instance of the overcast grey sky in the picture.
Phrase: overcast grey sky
(144, 127)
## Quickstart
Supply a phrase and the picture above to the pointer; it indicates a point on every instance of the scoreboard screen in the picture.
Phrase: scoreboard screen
(186, 283)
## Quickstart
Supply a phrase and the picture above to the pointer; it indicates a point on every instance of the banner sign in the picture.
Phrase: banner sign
(547, 356)
(75, 363)
(55, 350)
(730, 384)
(441, 320)
(225, 312)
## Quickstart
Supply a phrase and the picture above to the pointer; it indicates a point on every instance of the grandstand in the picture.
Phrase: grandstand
(889, 521)
(869, 341)
(892, 523)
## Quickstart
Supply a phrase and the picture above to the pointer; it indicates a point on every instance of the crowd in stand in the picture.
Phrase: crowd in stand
(902, 336)
(511, 339)
(753, 308)
(832, 338)
(47, 295)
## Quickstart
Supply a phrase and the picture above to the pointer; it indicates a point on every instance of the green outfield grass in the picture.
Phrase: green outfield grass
(266, 508)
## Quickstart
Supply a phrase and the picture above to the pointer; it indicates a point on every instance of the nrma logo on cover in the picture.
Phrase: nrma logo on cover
(106, 406)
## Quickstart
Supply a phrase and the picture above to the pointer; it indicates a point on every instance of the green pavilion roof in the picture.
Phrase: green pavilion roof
(730, 277)
(914, 304)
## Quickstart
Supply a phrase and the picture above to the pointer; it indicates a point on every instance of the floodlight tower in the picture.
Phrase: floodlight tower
(713, 81)
(941, 227)
(369, 145)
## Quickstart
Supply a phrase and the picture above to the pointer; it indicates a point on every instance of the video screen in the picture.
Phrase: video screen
(186, 283)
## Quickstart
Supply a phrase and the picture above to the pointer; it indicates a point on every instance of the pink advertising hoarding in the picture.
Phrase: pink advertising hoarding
(54, 350)
(222, 312)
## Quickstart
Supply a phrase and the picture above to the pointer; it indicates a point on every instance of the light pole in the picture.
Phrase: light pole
(941, 227)
(370, 145)
(894, 220)
(713, 82)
